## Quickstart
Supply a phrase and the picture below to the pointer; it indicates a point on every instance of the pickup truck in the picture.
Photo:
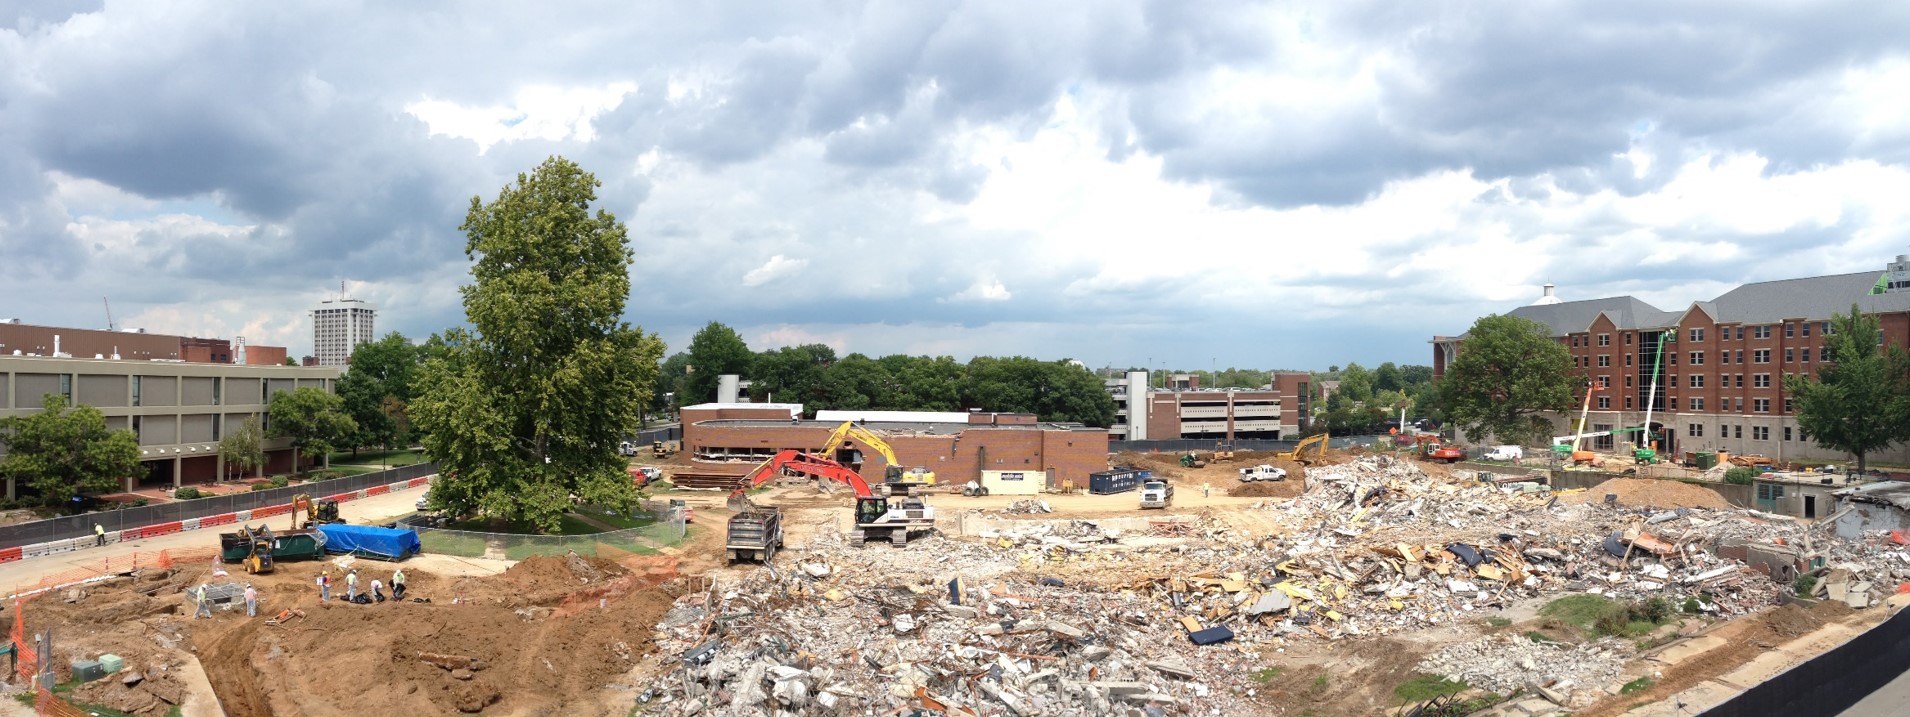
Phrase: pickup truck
(1157, 494)
(1262, 472)
(755, 534)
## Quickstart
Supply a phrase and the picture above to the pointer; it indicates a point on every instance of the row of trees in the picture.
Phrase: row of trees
(814, 376)
(1366, 399)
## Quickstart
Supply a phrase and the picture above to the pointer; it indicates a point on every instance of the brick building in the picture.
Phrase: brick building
(1278, 411)
(179, 411)
(731, 439)
(1720, 383)
(20, 339)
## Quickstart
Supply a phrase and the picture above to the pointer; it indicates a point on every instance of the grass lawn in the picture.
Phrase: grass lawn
(374, 458)
(568, 525)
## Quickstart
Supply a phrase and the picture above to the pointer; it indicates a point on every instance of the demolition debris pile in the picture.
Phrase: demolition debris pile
(1068, 617)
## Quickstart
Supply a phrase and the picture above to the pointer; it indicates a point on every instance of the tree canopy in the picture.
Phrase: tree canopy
(61, 453)
(1508, 370)
(244, 449)
(527, 407)
(1859, 403)
(377, 389)
(314, 419)
(715, 350)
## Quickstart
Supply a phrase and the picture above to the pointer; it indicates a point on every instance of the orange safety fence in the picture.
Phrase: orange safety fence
(45, 702)
(645, 572)
(161, 560)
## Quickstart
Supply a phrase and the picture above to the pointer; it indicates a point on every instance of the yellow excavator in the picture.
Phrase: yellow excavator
(906, 479)
(1297, 455)
(314, 512)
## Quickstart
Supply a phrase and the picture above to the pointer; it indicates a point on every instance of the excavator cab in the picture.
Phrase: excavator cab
(870, 509)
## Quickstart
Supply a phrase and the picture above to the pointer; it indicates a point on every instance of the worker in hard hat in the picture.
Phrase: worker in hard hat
(205, 604)
(324, 585)
(377, 590)
(351, 585)
(251, 601)
(398, 584)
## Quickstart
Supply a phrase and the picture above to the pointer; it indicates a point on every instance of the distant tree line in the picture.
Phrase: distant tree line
(813, 375)
(1367, 399)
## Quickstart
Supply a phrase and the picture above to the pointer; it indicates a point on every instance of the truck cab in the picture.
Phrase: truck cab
(1157, 494)
(1262, 472)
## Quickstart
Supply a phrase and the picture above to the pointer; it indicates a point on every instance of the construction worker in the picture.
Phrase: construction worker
(99, 535)
(205, 605)
(351, 585)
(251, 601)
(398, 584)
(377, 590)
(324, 585)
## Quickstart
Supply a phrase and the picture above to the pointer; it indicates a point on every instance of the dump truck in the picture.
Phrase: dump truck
(1157, 494)
(755, 534)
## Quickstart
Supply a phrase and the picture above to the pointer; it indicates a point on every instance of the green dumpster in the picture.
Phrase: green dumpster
(1705, 461)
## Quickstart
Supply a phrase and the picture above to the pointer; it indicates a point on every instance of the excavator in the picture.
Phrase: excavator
(1297, 455)
(314, 512)
(898, 479)
(876, 516)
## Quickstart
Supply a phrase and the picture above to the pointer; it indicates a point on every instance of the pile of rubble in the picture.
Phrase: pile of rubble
(1027, 506)
(1509, 663)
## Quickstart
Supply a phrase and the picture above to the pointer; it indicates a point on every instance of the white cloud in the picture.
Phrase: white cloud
(984, 289)
(537, 112)
(777, 267)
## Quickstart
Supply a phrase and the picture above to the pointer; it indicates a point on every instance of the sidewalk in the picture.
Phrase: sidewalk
(381, 509)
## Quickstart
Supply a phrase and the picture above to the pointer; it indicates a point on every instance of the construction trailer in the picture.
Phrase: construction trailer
(1013, 482)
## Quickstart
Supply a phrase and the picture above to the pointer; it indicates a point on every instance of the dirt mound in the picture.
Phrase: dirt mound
(1166, 465)
(1259, 489)
(543, 580)
(1652, 492)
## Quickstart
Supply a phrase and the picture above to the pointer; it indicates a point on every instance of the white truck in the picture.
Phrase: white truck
(1505, 453)
(1157, 494)
(1262, 472)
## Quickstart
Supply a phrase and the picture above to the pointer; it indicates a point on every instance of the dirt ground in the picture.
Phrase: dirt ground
(517, 642)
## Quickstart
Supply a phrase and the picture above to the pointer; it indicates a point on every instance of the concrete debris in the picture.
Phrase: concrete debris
(1027, 506)
(1066, 617)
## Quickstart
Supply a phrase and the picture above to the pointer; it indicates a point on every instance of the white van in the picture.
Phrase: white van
(1505, 453)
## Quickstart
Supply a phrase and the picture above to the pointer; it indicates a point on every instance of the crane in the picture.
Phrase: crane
(110, 326)
(894, 473)
(1584, 457)
(875, 516)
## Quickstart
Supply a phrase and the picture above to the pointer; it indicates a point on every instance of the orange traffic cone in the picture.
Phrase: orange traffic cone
(165, 560)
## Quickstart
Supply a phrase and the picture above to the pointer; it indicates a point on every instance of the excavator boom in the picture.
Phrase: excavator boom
(798, 462)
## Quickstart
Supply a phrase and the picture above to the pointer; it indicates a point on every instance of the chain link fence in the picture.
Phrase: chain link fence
(645, 532)
(80, 526)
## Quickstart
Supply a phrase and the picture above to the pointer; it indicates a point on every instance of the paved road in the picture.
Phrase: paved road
(383, 508)
(1892, 700)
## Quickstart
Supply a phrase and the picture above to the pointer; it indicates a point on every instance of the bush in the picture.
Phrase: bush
(256, 487)
(1805, 585)
(187, 493)
(1692, 606)
(1740, 476)
(139, 502)
(280, 482)
(1658, 610)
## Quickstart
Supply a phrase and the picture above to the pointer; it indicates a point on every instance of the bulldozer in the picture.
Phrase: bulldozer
(315, 513)
(1192, 460)
(661, 449)
(1223, 452)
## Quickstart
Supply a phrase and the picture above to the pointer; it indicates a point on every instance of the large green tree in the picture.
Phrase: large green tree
(61, 453)
(1859, 403)
(524, 411)
(670, 383)
(377, 389)
(1508, 371)
(715, 350)
(244, 449)
(1052, 390)
(797, 374)
(314, 419)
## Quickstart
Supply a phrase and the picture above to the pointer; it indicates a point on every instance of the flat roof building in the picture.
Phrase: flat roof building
(1142, 413)
(339, 326)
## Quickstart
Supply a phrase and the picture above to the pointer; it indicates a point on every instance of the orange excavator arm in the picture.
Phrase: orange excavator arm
(799, 462)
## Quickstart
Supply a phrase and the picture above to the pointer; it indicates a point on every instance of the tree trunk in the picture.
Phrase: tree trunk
(1861, 464)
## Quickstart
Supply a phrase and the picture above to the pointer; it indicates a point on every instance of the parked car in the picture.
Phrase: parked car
(1262, 472)
(626, 448)
(645, 475)
(424, 501)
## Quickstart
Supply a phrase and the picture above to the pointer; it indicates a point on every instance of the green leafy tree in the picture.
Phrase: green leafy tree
(1052, 390)
(796, 374)
(244, 450)
(921, 383)
(670, 382)
(377, 391)
(714, 351)
(525, 410)
(314, 419)
(289, 361)
(1388, 378)
(61, 453)
(1508, 371)
(1859, 403)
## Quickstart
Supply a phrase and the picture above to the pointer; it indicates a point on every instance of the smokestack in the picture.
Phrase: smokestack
(239, 356)
(1548, 290)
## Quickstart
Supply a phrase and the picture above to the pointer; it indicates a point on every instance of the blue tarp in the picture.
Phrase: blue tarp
(371, 541)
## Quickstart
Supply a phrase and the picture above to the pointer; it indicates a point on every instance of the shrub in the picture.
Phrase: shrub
(1805, 585)
(187, 493)
(1740, 476)
(280, 481)
(1657, 610)
(1692, 606)
(139, 502)
(260, 486)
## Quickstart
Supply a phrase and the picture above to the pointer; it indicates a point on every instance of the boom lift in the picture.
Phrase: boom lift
(876, 516)
(894, 475)
(1298, 453)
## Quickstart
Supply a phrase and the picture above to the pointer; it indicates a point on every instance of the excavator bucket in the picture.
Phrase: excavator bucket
(739, 502)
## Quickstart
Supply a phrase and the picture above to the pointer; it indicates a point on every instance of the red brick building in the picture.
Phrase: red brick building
(734, 438)
(1720, 383)
(1143, 413)
(125, 344)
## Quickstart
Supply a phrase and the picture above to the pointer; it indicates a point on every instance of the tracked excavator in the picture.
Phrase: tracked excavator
(895, 478)
(877, 517)
(1298, 454)
(314, 512)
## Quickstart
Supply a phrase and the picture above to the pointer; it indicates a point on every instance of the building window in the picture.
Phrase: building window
(1697, 404)
(1697, 380)
(1740, 355)
(1627, 403)
(1790, 331)
(1762, 380)
(1695, 430)
(1804, 355)
(1671, 359)
(1807, 330)
(1787, 434)
(1760, 433)
(1787, 404)
(1738, 431)
(1604, 339)
(1827, 328)
(1740, 404)
(1604, 402)
(1697, 358)
(1790, 355)
(1604, 442)
(1604, 361)
(136, 391)
(1823, 353)
(66, 387)
(218, 426)
(1740, 333)
(1761, 356)
(1627, 380)
(217, 385)
(1628, 338)
(1697, 335)
(1724, 357)
(1627, 360)
(1761, 332)
(1760, 405)
(1604, 382)
(1574, 342)
(136, 433)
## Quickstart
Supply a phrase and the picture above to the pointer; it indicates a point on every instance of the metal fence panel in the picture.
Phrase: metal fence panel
(78, 526)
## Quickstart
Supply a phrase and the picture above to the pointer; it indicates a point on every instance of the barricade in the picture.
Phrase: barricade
(109, 567)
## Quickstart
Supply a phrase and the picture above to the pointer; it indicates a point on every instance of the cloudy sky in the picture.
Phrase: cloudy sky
(1181, 183)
